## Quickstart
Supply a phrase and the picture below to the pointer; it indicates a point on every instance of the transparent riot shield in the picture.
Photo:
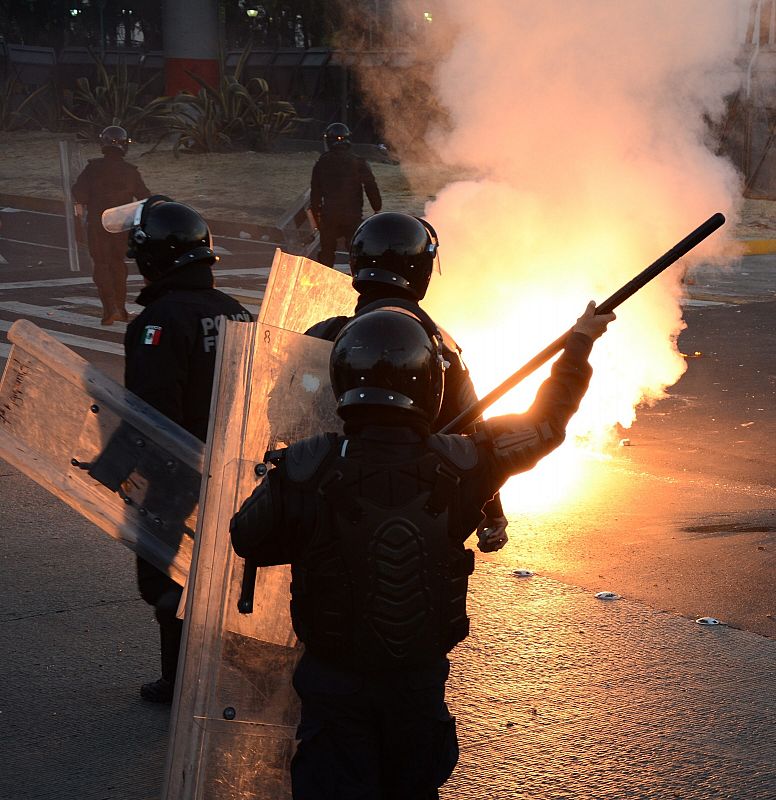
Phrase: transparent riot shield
(301, 292)
(298, 225)
(99, 448)
(235, 712)
(71, 163)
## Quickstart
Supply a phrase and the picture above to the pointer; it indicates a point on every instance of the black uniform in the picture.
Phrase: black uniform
(373, 524)
(337, 188)
(104, 183)
(170, 359)
(459, 390)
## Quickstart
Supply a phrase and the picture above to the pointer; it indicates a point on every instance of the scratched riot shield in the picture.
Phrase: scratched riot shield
(301, 292)
(99, 448)
(235, 712)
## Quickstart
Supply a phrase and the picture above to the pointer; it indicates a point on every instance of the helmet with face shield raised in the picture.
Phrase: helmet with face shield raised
(163, 235)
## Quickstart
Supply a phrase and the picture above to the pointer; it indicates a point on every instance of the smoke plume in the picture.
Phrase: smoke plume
(575, 135)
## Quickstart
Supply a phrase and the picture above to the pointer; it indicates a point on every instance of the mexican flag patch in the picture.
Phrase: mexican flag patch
(152, 334)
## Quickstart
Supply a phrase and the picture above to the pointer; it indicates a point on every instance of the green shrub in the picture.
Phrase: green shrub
(36, 109)
(114, 100)
(229, 116)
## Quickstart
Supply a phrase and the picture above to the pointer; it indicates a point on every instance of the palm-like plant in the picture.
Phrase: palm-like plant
(34, 109)
(114, 100)
(229, 115)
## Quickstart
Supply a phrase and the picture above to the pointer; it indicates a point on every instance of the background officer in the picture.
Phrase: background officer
(373, 523)
(104, 183)
(170, 358)
(392, 258)
(337, 187)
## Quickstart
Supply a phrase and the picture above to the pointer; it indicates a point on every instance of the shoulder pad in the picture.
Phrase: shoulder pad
(448, 341)
(304, 458)
(458, 450)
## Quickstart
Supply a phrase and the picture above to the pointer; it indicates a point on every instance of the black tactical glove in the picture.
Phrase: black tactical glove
(492, 534)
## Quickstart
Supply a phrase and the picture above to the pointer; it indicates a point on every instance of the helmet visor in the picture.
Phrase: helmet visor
(122, 218)
(433, 247)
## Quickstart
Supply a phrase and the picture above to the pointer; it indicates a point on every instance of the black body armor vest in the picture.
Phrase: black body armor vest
(381, 585)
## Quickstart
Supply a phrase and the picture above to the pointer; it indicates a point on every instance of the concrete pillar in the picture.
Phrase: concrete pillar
(190, 43)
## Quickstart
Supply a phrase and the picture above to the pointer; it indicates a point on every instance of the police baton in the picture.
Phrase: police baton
(469, 415)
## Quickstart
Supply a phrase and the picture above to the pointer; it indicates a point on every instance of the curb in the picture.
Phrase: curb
(758, 247)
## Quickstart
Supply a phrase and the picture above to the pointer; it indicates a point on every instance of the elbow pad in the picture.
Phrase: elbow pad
(254, 517)
(519, 449)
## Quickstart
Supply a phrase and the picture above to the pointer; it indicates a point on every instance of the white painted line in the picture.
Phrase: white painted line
(93, 302)
(256, 294)
(32, 244)
(3, 260)
(77, 341)
(59, 315)
(47, 282)
(10, 210)
(256, 271)
(221, 251)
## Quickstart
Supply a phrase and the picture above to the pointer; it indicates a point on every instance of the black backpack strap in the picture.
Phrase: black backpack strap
(445, 486)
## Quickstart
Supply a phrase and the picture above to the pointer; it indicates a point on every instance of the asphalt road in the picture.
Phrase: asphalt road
(558, 695)
(682, 519)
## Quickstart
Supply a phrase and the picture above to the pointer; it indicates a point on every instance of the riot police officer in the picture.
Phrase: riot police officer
(337, 187)
(373, 523)
(104, 183)
(392, 259)
(170, 359)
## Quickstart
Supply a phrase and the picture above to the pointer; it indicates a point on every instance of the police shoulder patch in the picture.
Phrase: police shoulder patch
(152, 334)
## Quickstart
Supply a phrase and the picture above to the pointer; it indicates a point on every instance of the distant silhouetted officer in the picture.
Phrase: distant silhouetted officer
(107, 182)
(337, 187)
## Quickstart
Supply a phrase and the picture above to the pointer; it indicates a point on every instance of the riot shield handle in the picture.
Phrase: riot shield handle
(245, 603)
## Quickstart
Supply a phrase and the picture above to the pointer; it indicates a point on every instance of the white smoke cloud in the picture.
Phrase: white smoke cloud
(584, 126)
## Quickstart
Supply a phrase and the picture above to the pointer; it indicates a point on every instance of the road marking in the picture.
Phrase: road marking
(3, 260)
(32, 244)
(10, 210)
(59, 315)
(79, 300)
(260, 272)
(47, 282)
(256, 294)
(82, 342)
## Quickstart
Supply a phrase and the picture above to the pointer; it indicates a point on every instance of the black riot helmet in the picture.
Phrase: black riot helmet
(114, 137)
(395, 249)
(167, 236)
(337, 135)
(385, 360)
